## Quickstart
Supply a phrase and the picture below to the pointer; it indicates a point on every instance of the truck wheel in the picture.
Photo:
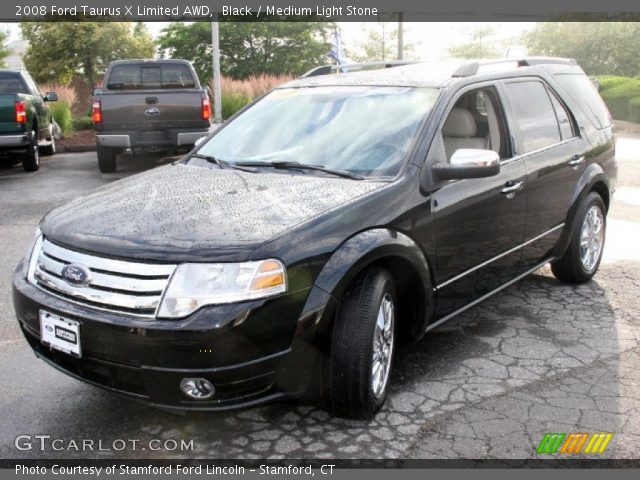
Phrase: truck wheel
(107, 159)
(357, 369)
(31, 159)
(581, 260)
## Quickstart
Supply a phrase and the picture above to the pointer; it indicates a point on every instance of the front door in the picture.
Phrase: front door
(479, 223)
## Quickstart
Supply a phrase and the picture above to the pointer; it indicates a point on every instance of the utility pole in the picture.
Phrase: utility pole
(217, 94)
(400, 38)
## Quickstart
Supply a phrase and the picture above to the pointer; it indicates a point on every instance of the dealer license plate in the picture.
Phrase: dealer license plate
(60, 333)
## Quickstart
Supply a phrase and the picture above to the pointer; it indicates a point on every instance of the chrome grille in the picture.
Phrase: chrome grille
(115, 285)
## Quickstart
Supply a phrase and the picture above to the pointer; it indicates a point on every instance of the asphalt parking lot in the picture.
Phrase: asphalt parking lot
(538, 357)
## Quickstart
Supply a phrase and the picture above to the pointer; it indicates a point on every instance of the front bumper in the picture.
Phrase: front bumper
(246, 350)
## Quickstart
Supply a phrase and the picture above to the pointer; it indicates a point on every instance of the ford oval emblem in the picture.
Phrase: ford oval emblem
(75, 274)
(152, 112)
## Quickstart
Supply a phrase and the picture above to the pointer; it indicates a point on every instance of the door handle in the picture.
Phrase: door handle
(511, 187)
(151, 100)
(576, 160)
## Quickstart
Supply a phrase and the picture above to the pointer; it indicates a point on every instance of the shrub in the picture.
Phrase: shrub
(62, 114)
(238, 93)
(622, 96)
(61, 110)
(82, 123)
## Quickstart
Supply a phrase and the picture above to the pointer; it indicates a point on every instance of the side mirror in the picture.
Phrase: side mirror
(51, 97)
(469, 163)
(197, 143)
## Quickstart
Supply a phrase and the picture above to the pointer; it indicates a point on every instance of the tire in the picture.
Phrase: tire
(582, 258)
(349, 387)
(107, 159)
(50, 149)
(31, 159)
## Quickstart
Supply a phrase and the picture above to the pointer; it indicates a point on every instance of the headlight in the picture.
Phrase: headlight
(30, 260)
(194, 285)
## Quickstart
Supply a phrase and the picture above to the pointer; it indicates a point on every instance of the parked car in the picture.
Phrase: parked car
(26, 124)
(290, 251)
(148, 105)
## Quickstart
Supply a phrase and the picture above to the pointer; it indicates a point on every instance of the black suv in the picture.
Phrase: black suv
(337, 215)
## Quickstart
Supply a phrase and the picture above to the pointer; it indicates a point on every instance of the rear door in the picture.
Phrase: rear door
(554, 158)
(152, 94)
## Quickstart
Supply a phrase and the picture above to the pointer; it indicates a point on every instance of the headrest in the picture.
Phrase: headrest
(460, 123)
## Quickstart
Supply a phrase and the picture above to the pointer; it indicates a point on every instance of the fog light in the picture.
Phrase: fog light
(197, 388)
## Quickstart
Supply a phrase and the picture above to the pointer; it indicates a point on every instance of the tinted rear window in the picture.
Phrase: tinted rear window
(156, 75)
(584, 93)
(11, 83)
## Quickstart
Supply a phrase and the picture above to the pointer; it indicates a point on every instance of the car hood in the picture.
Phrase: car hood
(187, 213)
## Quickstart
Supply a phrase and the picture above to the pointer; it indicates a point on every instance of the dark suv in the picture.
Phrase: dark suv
(339, 214)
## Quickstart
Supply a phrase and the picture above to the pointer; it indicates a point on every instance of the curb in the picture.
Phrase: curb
(76, 148)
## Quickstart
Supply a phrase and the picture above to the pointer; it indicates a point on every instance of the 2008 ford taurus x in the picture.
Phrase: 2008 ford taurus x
(291, 251)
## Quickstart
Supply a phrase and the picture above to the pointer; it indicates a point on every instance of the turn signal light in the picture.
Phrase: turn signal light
(21, 113)
(96, 112)
(206, 108)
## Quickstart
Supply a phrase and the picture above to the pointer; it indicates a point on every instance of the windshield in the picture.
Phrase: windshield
(363, 130)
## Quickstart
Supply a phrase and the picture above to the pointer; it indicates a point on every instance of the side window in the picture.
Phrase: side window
(564, 119)
(585, 94)
(476, 121)
(534, 114)
(35, 90)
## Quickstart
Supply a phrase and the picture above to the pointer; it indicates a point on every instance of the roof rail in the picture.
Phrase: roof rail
(329, 69)
(471, 68)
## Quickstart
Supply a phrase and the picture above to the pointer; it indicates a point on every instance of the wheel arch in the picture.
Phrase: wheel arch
(401, 257)
(593, 179)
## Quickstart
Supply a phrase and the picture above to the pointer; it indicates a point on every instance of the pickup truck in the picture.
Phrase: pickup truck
(148, 105)
(26, 124)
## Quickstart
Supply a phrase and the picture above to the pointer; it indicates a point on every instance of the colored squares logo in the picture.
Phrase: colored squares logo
(574, 443)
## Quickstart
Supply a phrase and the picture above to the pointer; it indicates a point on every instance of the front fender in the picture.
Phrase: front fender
(362, 250)
(354, 255)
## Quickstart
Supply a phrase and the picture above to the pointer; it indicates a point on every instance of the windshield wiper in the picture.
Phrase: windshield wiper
(301, 166)
(222, 163)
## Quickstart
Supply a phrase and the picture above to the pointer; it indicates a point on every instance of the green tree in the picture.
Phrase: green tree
(4, 50)
(601, 48)
(58, 51)
(478, 47)
(248, 48)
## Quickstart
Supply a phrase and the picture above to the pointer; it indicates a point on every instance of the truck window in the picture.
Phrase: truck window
(535, 117)
(152, 76)
(11, 83)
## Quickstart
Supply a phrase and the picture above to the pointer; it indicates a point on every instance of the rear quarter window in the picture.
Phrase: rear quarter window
(584, 93)
(150, 76)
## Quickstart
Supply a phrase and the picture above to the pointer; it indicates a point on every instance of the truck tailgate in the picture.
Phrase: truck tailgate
(8, 110)
(152, 109)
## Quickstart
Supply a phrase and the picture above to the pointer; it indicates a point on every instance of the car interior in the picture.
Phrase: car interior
(476, 122)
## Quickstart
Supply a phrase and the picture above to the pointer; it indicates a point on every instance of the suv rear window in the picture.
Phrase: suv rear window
(11, 83)
(584, 93)
(155, 75)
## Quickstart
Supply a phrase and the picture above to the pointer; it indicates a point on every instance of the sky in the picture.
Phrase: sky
(431, 40)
